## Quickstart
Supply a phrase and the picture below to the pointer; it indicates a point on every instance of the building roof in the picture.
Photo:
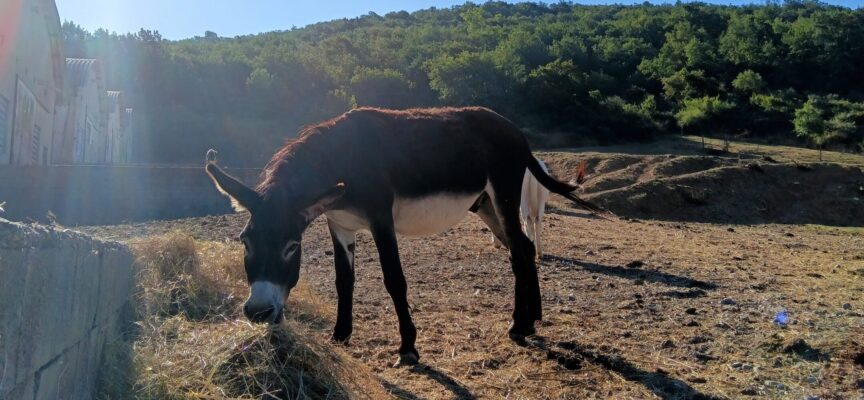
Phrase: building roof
(116, 102)
(78, 69)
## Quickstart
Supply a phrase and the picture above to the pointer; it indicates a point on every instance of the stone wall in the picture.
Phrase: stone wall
(98, 195)
(62, 298)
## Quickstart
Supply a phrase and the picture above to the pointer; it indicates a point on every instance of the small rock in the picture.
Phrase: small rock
(635, 264)
(691, 311)
(789, 234)
(728, 302)
(847, 306)
(775, 385)
(724, 325)
(730, 229)
(797, 346)
(813, 398)
(692, 323)
(697, 379)
(589, 253)
(627, 305)
(812, 380)
(704, 357)
(668, 344)
(750, 391)
(328, 252)
(699, 339)
(736, 365)
(639, 282)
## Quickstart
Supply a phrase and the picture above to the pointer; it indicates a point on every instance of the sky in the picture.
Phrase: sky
(180, 19)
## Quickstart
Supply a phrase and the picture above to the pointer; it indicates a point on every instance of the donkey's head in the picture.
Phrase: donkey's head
(271, 240)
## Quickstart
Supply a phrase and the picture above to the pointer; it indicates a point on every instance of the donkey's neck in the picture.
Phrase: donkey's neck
(299, 174)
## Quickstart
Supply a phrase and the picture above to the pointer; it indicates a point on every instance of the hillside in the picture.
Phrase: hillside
(571, 74)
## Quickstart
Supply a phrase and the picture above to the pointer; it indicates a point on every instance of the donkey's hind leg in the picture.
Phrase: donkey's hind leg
(486, 211)
(527, 305)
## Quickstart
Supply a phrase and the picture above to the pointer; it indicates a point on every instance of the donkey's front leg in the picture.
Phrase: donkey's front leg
(343, 255)
(384, 235)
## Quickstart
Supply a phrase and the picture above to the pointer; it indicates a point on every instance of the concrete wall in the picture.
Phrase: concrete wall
(62, 295)
(96, 195)
(31, 70)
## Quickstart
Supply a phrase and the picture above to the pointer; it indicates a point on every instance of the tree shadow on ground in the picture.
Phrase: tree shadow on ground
(570, 355)
(634, 273)
(458, 390)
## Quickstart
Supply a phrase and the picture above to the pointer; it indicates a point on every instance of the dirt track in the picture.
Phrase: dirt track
(633, 308)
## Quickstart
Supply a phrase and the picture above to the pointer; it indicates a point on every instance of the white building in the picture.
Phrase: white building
(79, 134)
(31, 77)
(127, 140)
(115, 127)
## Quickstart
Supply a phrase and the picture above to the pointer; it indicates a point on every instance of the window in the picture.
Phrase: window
(4, 122)
(35, 144)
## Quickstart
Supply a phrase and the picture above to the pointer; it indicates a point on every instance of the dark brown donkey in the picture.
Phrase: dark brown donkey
(413, 172)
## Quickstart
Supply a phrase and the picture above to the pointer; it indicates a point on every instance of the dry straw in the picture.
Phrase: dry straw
(190, 342)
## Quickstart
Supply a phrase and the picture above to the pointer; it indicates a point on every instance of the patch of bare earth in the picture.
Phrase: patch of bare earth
(633, 308)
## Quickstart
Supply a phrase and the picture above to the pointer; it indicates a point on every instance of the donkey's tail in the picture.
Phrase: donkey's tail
(562, 188)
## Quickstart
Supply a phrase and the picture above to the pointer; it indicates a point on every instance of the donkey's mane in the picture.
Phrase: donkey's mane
(275, 170)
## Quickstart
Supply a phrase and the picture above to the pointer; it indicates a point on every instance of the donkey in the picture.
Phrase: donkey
(534, 197)
(413, 172)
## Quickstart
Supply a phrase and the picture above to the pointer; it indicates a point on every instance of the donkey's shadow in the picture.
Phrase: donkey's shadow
(632, 273)
(570, 355)
(458, 390)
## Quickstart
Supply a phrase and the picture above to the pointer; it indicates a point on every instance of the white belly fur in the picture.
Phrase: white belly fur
(430, 215)
(415, 216)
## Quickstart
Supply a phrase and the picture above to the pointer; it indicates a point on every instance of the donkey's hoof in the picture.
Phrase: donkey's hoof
(518, 332)
(340, 340)
(407, 360)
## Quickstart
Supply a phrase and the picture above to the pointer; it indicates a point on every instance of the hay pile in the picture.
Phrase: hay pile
(191, 342)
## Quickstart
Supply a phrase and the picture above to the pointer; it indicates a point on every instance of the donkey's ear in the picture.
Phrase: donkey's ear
(242, 197)
(324, 202)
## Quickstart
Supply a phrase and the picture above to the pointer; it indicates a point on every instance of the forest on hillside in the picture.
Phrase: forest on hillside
(567, 73)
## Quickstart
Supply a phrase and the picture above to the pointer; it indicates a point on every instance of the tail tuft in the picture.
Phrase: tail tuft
(580, 177)
(564, 189)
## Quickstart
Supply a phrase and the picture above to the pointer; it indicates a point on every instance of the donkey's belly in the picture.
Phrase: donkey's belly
(430, 215)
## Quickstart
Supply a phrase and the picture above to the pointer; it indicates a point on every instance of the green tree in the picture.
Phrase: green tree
(703, 112)
(822, 120)
(749, 82)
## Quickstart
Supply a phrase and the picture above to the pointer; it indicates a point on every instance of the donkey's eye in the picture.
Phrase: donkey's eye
(290, 249)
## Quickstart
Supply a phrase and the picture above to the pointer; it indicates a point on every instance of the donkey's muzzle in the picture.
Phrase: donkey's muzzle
(262, 314)
(265, 303)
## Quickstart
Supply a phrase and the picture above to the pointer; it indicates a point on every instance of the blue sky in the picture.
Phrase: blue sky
(178, 19)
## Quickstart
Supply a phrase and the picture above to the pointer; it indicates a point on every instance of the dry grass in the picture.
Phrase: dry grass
(191, 343)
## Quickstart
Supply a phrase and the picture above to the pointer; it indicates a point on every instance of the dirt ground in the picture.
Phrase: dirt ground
(634, 308)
